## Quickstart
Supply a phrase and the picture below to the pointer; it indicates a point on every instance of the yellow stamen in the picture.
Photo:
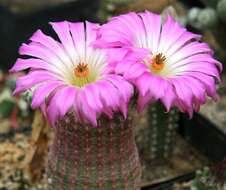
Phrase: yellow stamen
(158, 63)
(82, 70)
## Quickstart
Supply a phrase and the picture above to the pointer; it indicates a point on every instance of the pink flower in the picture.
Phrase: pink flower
(72, 75)
(167, 63)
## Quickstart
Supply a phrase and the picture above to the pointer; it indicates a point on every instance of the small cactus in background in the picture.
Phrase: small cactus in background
(161, 125)
(210, 178)
(208, 17)
(211, 19)
(161, 131)
(202, 18)
(203, 181)
(221, 10)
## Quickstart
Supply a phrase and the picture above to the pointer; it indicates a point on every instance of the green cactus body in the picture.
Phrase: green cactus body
(203, 19)
(88, 158)
(205, 180)
(221, 10)
(161, 131)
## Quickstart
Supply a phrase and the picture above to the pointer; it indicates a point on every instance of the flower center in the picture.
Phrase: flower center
(158, 63)
(83, 75)
(82, 70)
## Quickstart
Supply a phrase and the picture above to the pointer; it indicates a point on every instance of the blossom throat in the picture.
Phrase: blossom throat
(82, 70)
(158, 63)
(83, 75)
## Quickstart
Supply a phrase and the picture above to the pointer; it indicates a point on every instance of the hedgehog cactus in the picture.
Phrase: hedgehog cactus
(84, 83)
(221, 10)
(80, 96)
(161, 131)
(104, 158)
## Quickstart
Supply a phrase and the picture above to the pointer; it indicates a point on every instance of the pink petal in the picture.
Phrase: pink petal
(123, 66)
(34, 78)
(120, 52)
(152, 25)
(202, 67)
(60, 103)
(170, 97)
(79, 38)
(51, 44)
(91, 32)
(122, 30)
(189, 50)
(135, 71)
(37, 50)
(63, 31)
(88, 113)
(208, 82)
(22, 64)
(106, 98)
(92, 95)
(198, 89)
(143, 82)
(143, 101)
(180, 42)
(42, 92)
(183, 92)
(125, 89)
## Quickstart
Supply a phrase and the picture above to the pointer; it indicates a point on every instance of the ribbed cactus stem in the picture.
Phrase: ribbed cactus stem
(87, 158)
(221, 10)
(161, 131)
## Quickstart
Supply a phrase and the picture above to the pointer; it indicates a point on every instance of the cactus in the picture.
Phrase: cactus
(158, 137)
(202, 18)
(221, 10)
(204, 180)
(212, 19)
(207, 18)
(84, 157)
(211, 178)
(161, 131)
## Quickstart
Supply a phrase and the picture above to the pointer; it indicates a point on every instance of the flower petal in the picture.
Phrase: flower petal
(63, 31)
(33, 79)
(42, 92)
(152, 26)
